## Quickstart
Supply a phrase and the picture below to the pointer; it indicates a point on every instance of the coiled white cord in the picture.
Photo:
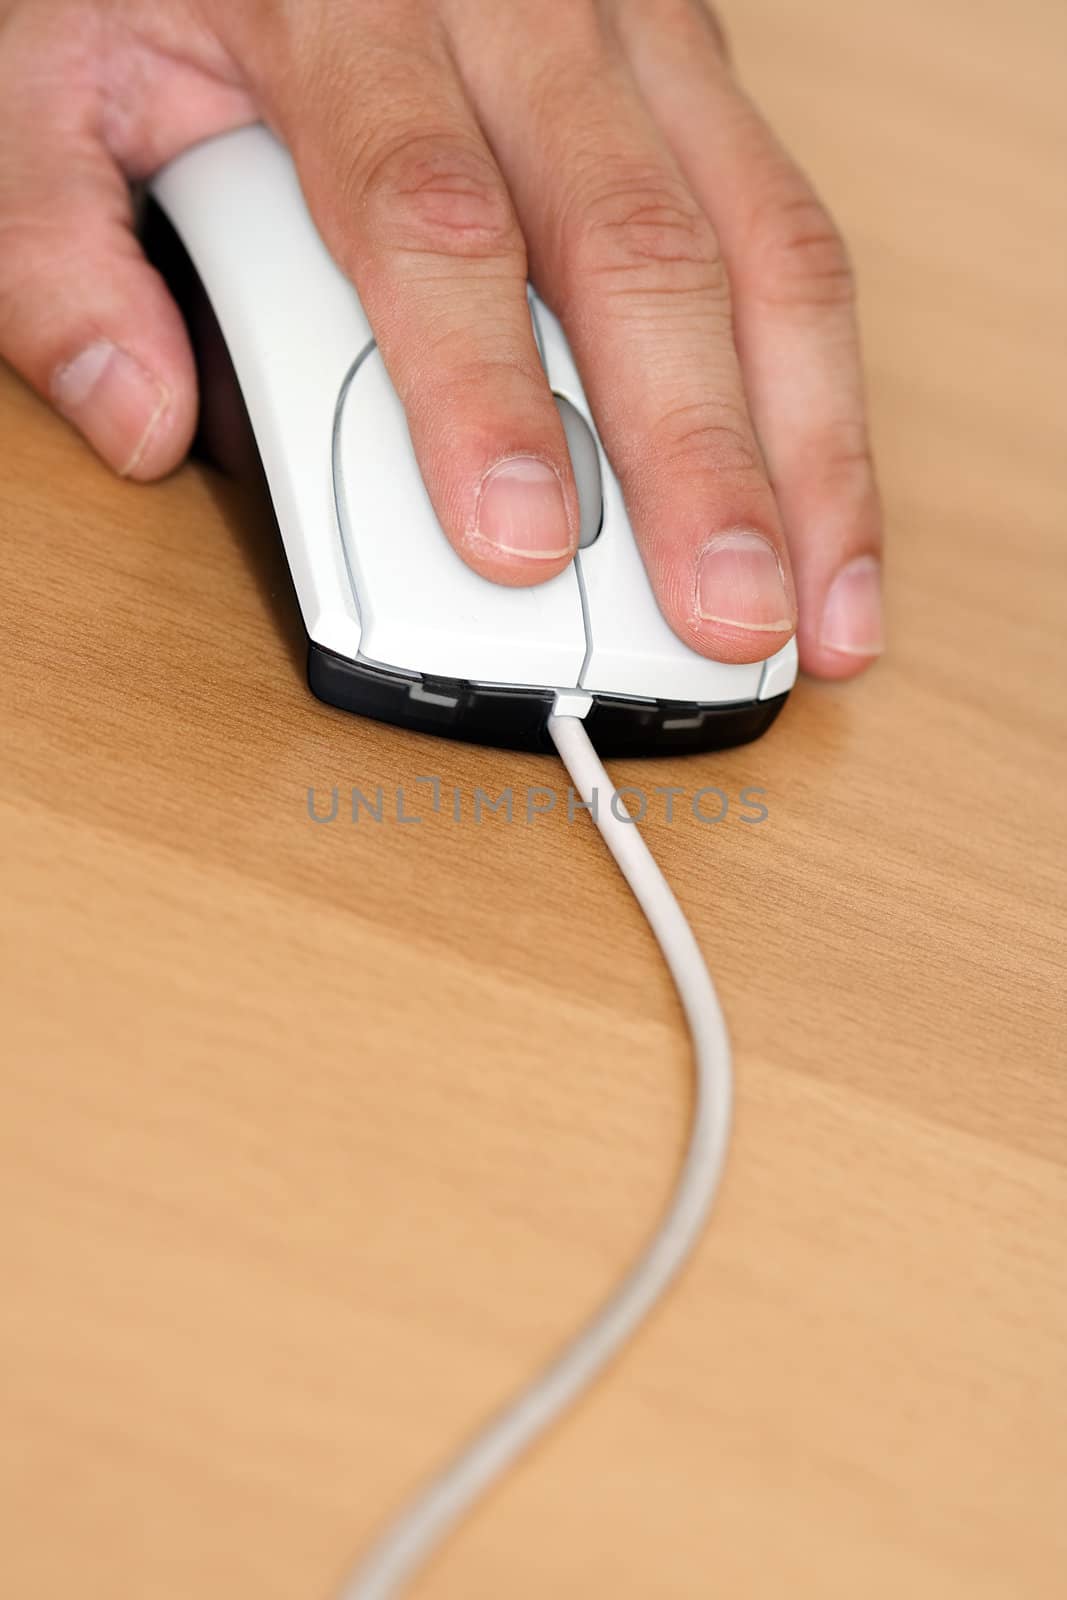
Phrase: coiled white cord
(438, 1506)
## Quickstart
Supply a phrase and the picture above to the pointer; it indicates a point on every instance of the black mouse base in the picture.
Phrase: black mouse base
(517, 719)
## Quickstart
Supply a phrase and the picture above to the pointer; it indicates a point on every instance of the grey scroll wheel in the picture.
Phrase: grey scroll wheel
(586, 463)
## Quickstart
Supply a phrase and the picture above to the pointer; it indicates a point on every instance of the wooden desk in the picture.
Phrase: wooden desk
(314, 1138)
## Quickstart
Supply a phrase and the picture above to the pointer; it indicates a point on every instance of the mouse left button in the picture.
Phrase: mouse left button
(422, 608)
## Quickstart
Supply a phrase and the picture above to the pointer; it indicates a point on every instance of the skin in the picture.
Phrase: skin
(449, 149)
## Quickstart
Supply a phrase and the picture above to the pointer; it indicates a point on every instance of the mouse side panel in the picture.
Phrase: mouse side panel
(224, 434)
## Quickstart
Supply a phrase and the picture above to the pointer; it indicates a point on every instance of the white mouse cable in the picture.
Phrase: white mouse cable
(439, 1505)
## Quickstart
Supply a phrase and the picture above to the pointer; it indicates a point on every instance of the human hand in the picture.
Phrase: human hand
(448, 149)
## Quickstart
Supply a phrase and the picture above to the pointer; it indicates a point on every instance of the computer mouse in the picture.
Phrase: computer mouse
(453, 653)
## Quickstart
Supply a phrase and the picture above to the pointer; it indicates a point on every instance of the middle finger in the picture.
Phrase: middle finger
(622, 251)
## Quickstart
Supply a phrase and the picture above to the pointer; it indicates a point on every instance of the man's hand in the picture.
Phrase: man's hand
(448, 149)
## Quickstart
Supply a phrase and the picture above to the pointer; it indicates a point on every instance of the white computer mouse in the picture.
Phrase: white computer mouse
(450, 653)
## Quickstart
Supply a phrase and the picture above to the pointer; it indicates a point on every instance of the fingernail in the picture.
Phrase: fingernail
(113, 401)
(740, 582)
(852, 615)
(521, 510)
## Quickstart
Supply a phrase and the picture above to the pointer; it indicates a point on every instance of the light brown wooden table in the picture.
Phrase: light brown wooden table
(314, 1138)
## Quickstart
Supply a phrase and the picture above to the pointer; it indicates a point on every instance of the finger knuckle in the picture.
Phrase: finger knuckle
(479, 393)
(438, 192)
(704, 437)
(844, 458)
(690, 20)
(709, 19)
(31, 249)
(802, 259)
(636, 231)
(489, 380)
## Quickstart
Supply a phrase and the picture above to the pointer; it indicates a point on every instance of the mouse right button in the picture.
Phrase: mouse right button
(632, 650)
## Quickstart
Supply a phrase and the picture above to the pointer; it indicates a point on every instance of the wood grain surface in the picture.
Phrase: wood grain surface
(315, 1137)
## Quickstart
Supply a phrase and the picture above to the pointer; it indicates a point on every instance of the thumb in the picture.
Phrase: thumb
(83, 317)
